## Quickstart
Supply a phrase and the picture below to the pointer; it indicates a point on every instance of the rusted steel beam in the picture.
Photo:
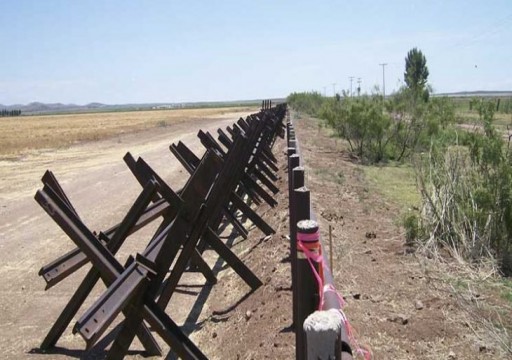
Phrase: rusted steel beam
(182, 152)
(106, 264)
(101, 257)
(192, 214)
(228, 179)
(224, 139)
(249, 181)
(50, 180)
(251, 214)
(181, 149)
(163, 252)
(265, 154)
(59, 269)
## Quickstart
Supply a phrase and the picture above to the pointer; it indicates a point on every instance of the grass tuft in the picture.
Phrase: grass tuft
(397, 183)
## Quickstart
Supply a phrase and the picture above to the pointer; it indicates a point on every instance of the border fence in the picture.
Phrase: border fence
(321, 328)
(237, 168)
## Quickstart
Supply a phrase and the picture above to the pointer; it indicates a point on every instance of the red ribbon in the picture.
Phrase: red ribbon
(302, 244)
(308, 237)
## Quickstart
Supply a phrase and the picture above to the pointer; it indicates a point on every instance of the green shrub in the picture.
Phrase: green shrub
(466, 186)
(411, 225)
(378, 130)
(308, 102)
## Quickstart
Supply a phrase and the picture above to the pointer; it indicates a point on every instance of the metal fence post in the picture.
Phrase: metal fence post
(292, 143)
(291, 135)
(292, 162)
(305, 280)
(297, 182)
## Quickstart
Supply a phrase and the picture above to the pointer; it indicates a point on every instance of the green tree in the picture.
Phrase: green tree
(416, 73)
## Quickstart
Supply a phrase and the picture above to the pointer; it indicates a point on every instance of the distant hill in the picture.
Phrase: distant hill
(38, 108)
(478, 93)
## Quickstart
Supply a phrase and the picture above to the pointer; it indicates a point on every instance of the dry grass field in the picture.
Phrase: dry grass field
(18, 135)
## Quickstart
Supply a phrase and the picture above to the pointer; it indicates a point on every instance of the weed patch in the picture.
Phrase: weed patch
(395, 183)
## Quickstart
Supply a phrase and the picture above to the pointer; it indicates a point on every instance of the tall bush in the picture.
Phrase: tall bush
(377, 129)
(466, 188)
(363, 122)
(308, 102)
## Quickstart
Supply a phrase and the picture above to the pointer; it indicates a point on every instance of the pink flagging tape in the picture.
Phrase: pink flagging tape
(308, 237)
(322, 289)
(311, 256)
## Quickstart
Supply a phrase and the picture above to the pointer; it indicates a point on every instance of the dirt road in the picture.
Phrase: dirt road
(101, 188)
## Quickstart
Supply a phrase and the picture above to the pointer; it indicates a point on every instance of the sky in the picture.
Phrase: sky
(135, 51)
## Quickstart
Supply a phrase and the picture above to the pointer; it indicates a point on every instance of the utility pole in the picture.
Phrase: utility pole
(351, 78)
(333, 89)
(358, 86)
(383, 80)
(325, 87)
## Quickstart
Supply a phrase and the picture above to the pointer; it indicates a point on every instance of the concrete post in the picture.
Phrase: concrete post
(322, 331)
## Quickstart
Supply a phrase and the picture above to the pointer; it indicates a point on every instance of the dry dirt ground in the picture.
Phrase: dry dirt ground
(403, 306)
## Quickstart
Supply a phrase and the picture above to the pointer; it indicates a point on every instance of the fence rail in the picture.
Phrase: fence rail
(318, 320)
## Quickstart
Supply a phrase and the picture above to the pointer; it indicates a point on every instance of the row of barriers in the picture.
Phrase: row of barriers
(237, 169)
(321, 328)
